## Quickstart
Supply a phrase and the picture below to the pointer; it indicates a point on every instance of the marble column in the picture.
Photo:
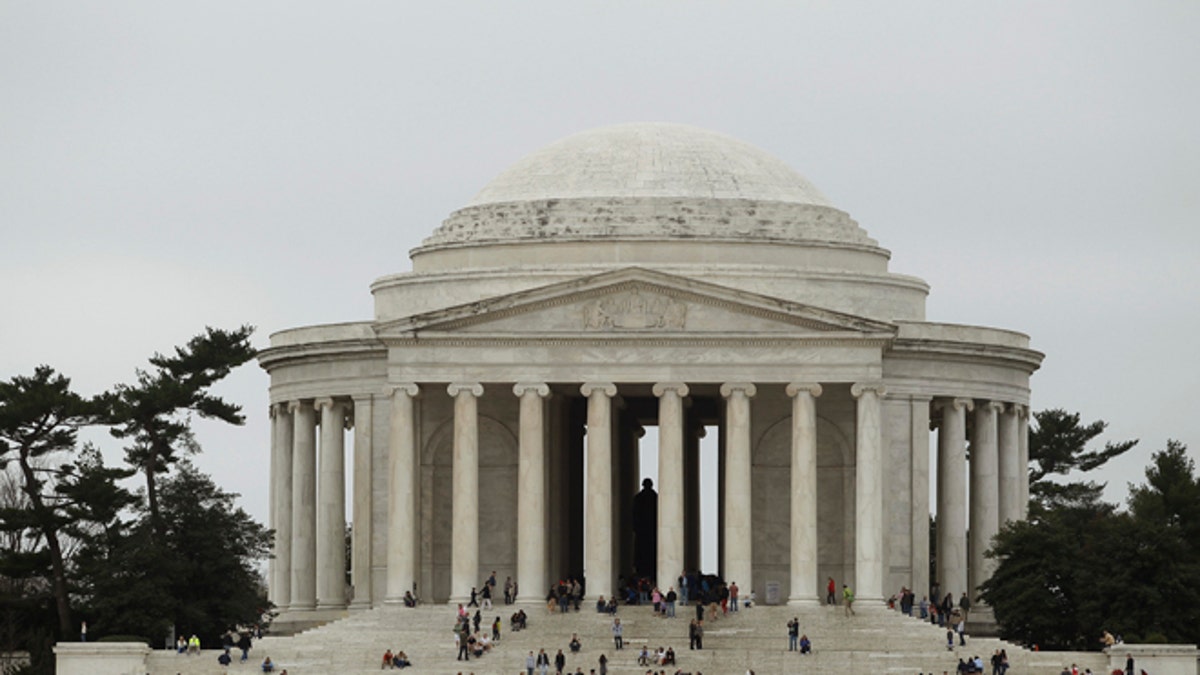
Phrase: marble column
(739, 524)
(281, 504)
(868, 492)
(1010, 470)
(598, 537)
(985, 515)
(531, 492)
(1023, 459)
(804, 583)
(331, 506)
(402, 493)
(304, 507)
(919, 445)
(360, 551)
(952, 496)
(670, 480)
(464, 548)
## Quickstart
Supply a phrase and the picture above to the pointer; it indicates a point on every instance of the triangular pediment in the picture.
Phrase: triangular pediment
(630, 302)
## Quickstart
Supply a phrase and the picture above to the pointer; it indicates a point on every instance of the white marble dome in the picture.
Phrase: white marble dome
(650, 160)
(669, 197)
(648, 181)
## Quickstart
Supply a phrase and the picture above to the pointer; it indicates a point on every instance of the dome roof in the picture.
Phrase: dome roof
(648, 182)
(649, 160)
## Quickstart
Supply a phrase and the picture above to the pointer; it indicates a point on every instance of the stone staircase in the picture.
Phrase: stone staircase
(873, 641)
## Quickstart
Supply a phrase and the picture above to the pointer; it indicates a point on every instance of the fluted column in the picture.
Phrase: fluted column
(531, 492)
(868, 492)
(738, 480)
(402, 493)
(1010, 470)
(331, 506)
(598, 537)
(464, 554)
(304, 507)
(360, 551)
(919, 522)
(670, 479)
(985, 516)
(281, 504)
(952, 496)
(804, 582)
(1023, 459)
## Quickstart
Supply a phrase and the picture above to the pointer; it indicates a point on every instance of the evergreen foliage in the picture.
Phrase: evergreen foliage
(154, 415)
(1079, 566)
(39, 422)
(77, 545)
(1058, 446)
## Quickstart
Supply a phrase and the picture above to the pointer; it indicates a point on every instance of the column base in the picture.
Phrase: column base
(867, 606)
(803, 602)
(981, 621)
(294, 621)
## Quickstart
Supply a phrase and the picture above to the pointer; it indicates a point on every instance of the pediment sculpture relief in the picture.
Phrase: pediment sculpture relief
(632, 310)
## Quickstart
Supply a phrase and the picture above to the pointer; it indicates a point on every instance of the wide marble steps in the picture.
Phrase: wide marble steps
(873, 641)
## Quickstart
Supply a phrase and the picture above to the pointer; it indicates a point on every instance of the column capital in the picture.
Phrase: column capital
(996, 406)
(746, 388)
(1021, 410)
(328, 402)
(661, 388)
(608, 388)
(293, 406)
(813, 388)
(408, 388)
(964, 403)
(540, 388)
(860, 388)
(473, 388)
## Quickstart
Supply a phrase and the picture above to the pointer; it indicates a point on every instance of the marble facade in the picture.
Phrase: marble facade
(625, 277)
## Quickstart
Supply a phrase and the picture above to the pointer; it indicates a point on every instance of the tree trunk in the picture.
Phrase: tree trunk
(50, 532)
(152, 500)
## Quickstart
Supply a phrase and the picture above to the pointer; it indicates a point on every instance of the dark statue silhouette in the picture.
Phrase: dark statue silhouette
(645, 530)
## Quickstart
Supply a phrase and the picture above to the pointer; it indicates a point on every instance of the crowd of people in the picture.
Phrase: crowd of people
(475, 642)
(974, 664)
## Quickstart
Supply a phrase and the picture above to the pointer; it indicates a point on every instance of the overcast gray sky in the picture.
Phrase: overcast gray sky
(164, 166)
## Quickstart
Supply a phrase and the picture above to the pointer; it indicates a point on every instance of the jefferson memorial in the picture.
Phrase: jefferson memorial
(635, 276)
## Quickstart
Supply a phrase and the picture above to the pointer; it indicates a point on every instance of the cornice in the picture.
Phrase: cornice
(340, 350)
(640, 340)
(1027, 359)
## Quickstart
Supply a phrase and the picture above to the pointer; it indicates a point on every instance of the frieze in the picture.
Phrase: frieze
(634, 310)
